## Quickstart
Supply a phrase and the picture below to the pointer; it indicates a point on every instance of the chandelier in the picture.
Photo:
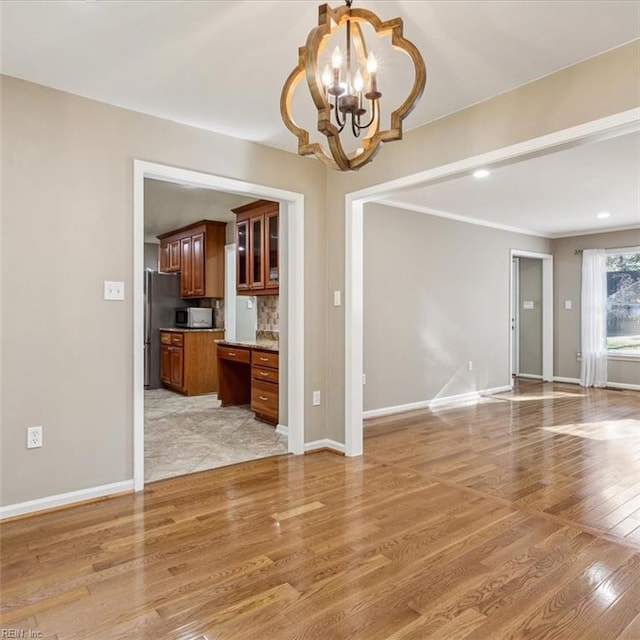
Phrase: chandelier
(345, 91)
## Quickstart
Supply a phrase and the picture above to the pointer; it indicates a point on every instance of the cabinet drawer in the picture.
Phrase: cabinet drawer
(233, 353)
(260, 373)
(177, 339)
(265, 358)
(165, 338)
(264, 399)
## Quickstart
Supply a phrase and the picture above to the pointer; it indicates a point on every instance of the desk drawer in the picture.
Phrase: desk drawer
(264, 399)
(260, 373)
(238, 354)
(265, 358)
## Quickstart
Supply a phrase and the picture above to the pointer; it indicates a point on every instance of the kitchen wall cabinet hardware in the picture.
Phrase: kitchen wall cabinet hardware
(186, 365)
(257, 248)
(249, 375)
(197, 252)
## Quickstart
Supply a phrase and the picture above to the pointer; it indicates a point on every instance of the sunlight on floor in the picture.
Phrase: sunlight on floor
(545, 395)
(603, 430)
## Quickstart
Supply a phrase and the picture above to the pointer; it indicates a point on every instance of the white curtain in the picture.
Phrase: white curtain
(593, 369)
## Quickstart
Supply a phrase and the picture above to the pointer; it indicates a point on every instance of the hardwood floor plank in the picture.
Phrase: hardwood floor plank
(632, 630)
(466, 523)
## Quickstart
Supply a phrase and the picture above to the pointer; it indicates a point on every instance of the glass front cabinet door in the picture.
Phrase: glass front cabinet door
(257, 252)
(257, 241)
(242, 255)
(272, 266)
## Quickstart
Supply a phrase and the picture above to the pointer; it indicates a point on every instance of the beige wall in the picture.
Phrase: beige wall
(590, 90)
(67, 167)
(568, 275)
(67, 220)
(530, 333)
(436, 296)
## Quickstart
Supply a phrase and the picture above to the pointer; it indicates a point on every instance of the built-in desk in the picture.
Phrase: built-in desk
(249, 375)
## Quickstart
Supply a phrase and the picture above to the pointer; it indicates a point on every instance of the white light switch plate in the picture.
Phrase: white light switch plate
(567, 304)
(337, 299)
(527, 304)
(113, 290)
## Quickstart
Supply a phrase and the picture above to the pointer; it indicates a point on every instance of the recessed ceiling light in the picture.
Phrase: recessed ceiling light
(480, 173)
(604, 214)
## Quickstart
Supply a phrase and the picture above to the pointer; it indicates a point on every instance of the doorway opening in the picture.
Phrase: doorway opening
(291, 348)
(601, 129)
(531, 315)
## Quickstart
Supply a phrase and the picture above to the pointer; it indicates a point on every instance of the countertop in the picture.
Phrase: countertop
(184, 329)
(266, 345)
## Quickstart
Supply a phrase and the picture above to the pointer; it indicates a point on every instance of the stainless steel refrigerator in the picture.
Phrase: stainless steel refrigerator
(161, 297)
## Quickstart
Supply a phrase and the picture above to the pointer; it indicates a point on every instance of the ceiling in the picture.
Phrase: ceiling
(220, 65)
(169, 206)
(552, 195)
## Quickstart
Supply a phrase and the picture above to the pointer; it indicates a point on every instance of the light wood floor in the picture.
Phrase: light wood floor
(517, 518)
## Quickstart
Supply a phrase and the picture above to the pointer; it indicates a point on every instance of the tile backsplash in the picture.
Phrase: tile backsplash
(268, 313)
(218, 309)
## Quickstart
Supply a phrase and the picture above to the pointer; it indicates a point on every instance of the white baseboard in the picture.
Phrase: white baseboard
(610, 385)
(624, 386)
(400, 408)
(567, 380)
(530, 376)
(434, 403)
(324, 444)
(492, 391)
(64, 499)
(461, 398)
(283, 430)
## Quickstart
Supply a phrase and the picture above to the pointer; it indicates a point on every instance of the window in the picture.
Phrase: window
(623, 302)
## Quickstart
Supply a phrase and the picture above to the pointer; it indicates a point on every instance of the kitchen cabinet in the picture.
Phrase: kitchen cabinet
(197, 252)
(257, 253)
(249, 375)
(170, 256)
(264, 385)
(187, 361)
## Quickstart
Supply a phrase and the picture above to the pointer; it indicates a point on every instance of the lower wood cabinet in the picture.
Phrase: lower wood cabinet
(249, 376)
(264, 385)
(187, 361)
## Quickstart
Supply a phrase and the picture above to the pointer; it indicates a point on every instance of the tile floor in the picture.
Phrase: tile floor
(187, 434)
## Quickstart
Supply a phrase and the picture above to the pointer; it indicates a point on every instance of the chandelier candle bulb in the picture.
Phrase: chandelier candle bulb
(336, 58)
(372, 67)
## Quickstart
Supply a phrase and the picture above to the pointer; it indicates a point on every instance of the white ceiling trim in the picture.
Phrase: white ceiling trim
(593, 232)
(398, 204)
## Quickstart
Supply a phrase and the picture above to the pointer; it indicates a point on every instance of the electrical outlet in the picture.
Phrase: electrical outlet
(316, 398)
(34, 437)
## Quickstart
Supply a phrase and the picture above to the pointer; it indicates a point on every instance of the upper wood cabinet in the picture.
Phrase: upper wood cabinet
(169, 255)
(257, 248)
(197, 252)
